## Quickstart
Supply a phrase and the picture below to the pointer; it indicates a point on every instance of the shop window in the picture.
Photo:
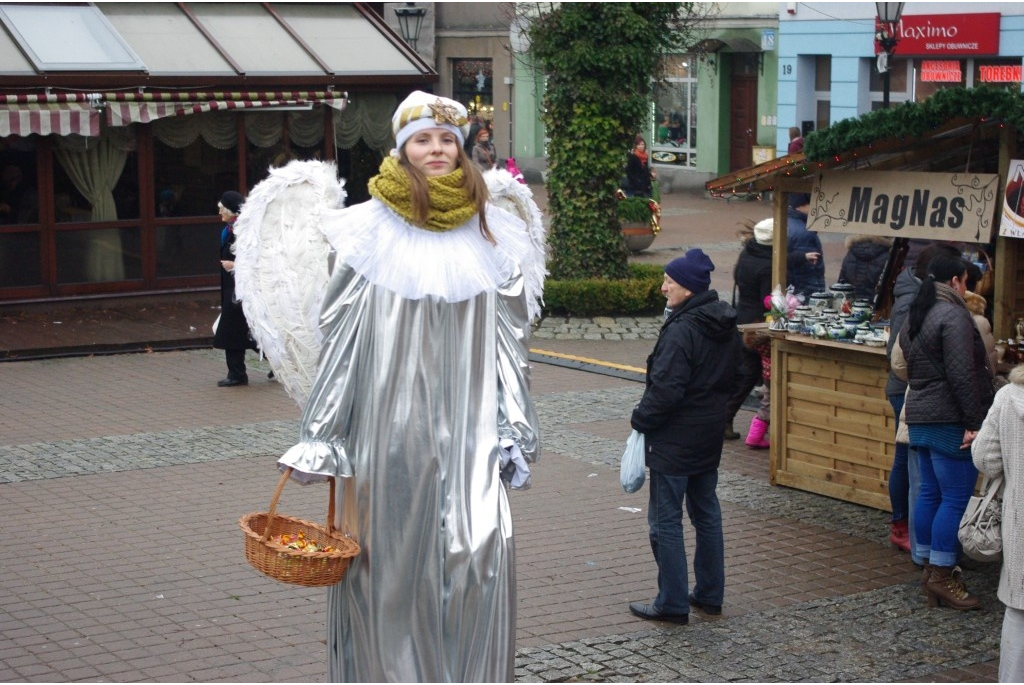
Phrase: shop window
(100, 255)
(190, 175)
(96, 179)
(187, 250)
(822, 91)
(675, 113)
(473, 86)
(197, 174)
(932, 75)
(998, 73)
(19, 195)
(275, 138)
(19, 259)
(901, 75)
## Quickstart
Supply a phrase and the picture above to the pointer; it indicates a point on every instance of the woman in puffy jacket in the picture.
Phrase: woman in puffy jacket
(950, 393)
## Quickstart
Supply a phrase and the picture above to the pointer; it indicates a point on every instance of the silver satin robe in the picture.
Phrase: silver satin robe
(411, 400)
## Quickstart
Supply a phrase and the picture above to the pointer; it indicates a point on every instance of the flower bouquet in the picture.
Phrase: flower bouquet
(781, 307)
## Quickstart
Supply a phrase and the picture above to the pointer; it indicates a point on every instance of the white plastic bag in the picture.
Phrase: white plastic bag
(631, 471)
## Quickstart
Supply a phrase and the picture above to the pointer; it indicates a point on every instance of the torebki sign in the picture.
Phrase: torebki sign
(903, 204)
(1012, 223)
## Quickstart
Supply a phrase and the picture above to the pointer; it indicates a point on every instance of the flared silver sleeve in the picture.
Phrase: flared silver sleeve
(517, 418)
(326, 419)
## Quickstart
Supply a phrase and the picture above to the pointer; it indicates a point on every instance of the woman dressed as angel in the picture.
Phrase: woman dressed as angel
(421, 398)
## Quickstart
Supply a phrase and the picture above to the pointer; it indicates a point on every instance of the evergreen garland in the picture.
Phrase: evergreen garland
(913, 119)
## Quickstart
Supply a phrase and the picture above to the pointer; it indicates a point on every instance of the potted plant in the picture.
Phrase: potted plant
(638, 221)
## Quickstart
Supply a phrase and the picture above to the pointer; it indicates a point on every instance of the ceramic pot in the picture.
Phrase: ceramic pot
(861, 310)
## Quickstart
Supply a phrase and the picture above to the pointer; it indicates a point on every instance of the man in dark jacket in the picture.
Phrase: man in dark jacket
(864, 262)
(690, 376)
(804, 262)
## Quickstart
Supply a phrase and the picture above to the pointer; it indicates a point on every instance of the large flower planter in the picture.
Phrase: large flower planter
(638, 236)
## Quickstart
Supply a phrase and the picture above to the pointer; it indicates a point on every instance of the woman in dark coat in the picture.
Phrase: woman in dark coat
(232, 333)
(950, 393)
(753, 276)
(638, 170)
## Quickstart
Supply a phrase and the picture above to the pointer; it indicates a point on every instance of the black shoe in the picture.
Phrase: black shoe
(231, 382)
(648, 612)
(709, 609)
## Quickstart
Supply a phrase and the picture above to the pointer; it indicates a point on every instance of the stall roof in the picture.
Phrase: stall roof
(200, 43)
(957, 130)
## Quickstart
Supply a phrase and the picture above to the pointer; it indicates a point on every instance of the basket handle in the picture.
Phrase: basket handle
(273, 502)
(277, 494)
(330, 507)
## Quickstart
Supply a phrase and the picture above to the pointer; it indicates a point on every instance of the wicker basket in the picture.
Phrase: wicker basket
(312, 569)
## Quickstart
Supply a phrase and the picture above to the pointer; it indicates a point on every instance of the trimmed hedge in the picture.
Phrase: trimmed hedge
(640, 294)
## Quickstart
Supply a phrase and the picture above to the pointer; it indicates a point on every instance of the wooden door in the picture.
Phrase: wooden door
(742, 110)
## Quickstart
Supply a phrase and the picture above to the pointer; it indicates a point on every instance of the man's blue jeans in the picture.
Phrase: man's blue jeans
(665, 518)
(947, 484)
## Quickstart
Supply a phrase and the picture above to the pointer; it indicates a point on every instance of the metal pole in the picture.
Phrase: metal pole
(885, 89)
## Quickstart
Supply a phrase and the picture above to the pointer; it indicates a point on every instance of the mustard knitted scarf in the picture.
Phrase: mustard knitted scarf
(449, 205)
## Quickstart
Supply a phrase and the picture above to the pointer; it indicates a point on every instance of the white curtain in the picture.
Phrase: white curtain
(262, 129)
(95, 170)
(367, 116)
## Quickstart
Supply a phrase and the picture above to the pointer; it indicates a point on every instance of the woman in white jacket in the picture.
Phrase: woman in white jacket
(999, 449)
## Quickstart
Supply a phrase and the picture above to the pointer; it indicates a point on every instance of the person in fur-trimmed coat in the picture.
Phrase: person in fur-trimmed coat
(999, 450)
(864, 262)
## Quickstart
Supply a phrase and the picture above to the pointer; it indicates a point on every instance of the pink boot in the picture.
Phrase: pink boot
(758, 435)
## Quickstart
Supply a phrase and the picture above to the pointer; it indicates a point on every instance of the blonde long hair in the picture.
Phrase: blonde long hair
(472, 181)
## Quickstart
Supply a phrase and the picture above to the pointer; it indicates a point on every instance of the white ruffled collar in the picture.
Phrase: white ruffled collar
(391, 253)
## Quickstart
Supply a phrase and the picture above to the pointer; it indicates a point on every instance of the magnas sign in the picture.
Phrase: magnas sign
(898, 204)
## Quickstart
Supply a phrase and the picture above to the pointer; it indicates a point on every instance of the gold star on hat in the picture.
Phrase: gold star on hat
(446, 114)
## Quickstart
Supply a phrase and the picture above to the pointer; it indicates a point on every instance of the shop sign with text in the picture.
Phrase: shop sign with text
(941, 71)
(946, 34)
(903, 204)
(1012, 224)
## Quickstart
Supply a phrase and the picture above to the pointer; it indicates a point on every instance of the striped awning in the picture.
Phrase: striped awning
(67, 113)
(127, 108)
(24, 115)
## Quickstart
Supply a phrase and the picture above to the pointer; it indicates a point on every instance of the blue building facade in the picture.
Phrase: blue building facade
(827, 63)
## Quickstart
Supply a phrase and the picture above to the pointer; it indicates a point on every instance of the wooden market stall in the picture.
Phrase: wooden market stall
(934, 170)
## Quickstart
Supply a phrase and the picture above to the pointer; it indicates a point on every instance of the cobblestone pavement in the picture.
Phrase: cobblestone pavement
(121, 478)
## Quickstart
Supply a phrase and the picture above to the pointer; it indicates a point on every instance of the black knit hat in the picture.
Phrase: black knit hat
(692, 271)
(232, 201)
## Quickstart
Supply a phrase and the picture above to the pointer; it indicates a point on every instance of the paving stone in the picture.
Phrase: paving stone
(161, 481)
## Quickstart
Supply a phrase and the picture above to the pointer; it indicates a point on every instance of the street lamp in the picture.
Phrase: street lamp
(888, 17)
(410, 21)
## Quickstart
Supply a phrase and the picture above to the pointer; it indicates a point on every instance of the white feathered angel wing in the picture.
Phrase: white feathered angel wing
(517, 198)
(281, 267)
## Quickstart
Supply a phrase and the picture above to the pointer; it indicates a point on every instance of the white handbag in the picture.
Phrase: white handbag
(981, 526)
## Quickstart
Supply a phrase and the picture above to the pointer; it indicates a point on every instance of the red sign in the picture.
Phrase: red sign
(940, 71)
(1007, 73)
(946, 34)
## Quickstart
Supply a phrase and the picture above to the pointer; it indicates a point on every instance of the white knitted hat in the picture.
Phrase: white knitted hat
(424, 110)
(764, 230)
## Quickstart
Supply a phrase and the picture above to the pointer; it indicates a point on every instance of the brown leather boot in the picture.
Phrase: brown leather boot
(946, 586)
